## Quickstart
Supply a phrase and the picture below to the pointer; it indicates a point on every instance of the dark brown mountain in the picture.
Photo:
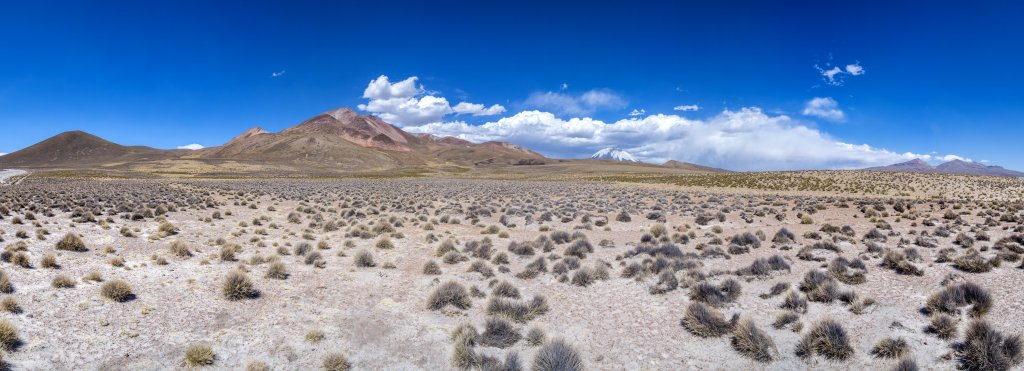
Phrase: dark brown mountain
(951, 167)
(78, 148)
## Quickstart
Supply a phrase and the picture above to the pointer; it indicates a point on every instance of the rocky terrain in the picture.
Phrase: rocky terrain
(432, 274)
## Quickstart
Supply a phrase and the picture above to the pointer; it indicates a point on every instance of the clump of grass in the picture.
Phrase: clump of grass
(6, 286)
(238, 286)
(179, 248)
(8, 335)
(449, 293)
(726, 292)
(384, 243)
(557, 355)
(499, 333)
(71, 242)
(93, 276)
(784, 319)
(535, 336)
(49, 261)
(985, 348)
(891, 348)
(705, 321)
(898, 262)
(820, 287)
(117, 290)
(958, 295)
(364, 259)
(8, 304)
(336, 362)
(776, 289)
(277, 270)
(198, 355)
(505, 289)
(63, 282)
(314, 336)
(972, 261)
(431, 268)
(943, 326)
(794, 302)
(752, 341)
(828, 339)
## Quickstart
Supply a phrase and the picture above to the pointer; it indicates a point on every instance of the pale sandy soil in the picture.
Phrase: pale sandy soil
(378, 317)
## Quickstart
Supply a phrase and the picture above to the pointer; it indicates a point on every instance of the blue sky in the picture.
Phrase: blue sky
(925, 80)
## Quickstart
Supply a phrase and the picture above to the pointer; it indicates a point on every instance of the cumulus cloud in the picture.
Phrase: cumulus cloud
(747, 139)
(406, 103)
(835, 75)
(687, 107)
(192, 146)
(637, 112)
(478, 109)
(583, 104)
(825, 108)
(278, 73)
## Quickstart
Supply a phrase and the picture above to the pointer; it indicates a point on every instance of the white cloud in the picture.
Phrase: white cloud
(478, 109)
(825, 108)
(563, 86)
(278, 73)
(948, 158)
(192, 146)
(835, 76)
(855, 69)
(747, 139)
(3, 153)
(405, 103)
(636, 112)
(687, 107)
(584, 104)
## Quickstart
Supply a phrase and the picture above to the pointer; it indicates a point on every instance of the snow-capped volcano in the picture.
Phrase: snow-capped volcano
(615, 154)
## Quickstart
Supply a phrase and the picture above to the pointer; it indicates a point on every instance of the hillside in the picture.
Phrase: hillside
(952, 167)
(78, 148)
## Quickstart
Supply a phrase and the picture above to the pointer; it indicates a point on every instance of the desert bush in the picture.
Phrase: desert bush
(943, 326)
(336, 362)
(954, 296)
(987, 349)
(431, 268)
(63, 282)
(726, 292)
(180, 249)
(49, 261)
(71, 242)
(891, 348)
(972, 261)
(828, 339)
(449, 293)
(198, 355)
(277, 270)
(504, 289)
(785, 318)
(499, 333)
(8, 335)
(238, 286)
(776, 289)
(898, 262)
(117, 290)
(384, 243)
(752, 341)
(535, 336)
(557, 355)
(794, 302)
(705, 321)
(314, 336)
(364, 259)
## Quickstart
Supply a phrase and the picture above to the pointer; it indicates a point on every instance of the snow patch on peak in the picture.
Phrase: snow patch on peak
(612, 153)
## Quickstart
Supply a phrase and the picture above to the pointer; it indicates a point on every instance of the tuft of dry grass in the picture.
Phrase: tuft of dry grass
(828, 339)
(8, 304)
(8, 335)
(49, 261)
(336, 362)
(752, 341)
(63, 282)
(557, 355)
(198, 355)
(449, 293)
(71, 242)
(117, 290)
(314, 336)
(985, 348)
(277, 270)
(891, 348)
(238, 286)
(705, 321)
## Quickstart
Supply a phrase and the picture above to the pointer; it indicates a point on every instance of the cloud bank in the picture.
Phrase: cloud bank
(192, 146)
(407, 103)
(561, 127)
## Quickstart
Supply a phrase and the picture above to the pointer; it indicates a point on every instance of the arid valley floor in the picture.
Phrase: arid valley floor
(499, 274)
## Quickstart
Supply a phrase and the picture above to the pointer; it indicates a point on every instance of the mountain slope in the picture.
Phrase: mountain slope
(80, 148)
(692, 167)
(951, 167)
(614, 154)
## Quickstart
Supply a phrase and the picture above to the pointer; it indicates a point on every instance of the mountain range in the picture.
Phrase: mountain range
(952, 167)
(614, 154)
(337, 141)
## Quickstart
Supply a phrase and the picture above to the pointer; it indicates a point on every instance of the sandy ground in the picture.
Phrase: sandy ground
(378, 318)
(4, 174)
